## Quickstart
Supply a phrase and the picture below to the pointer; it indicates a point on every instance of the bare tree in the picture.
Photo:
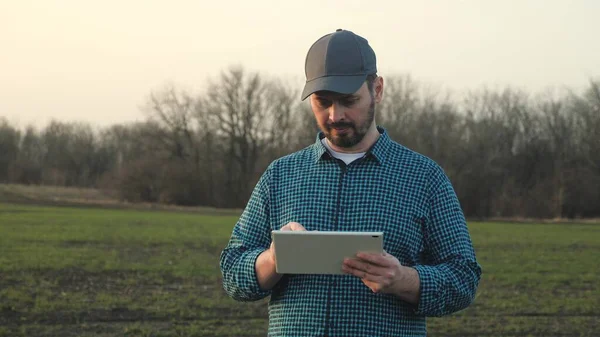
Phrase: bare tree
(248, 113)
(401, 101)
(582, 179)
(174, 112)
(587, 109)
(559, 126)
(28, 166)
(490, 135)
(68, 155)
(9, 148)
(507, 154)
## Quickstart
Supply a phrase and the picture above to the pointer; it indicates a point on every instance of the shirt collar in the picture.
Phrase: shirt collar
(377, 151)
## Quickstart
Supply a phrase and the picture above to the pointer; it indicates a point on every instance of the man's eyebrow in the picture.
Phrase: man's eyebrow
(336, 96)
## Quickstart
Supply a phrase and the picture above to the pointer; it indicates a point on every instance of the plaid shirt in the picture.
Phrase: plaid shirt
(391, 189)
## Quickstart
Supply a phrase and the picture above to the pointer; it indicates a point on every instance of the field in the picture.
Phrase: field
(107, 272)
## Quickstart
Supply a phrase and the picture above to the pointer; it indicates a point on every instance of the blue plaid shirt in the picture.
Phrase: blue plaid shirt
(391, 189)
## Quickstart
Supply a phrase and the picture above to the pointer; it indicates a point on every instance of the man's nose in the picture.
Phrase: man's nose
(336, 112)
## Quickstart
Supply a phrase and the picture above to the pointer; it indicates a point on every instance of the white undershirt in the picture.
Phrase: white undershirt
(346, 157)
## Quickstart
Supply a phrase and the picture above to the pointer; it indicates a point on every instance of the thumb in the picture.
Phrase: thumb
(296, 226)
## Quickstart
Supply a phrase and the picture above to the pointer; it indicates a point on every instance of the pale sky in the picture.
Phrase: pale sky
(97, 61)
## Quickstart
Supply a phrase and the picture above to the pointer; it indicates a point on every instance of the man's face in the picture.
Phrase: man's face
(344, 119)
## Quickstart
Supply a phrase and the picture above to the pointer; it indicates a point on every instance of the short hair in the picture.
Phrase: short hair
(370, 82)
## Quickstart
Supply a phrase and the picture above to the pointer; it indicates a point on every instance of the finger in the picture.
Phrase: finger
(363, 275)
(364, 267)
(296, 226)
(290, 226)
(379, 259)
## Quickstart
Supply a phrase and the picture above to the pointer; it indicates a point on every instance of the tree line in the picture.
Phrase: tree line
(509, 153)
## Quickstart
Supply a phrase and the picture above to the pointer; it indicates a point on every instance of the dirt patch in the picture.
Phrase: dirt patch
(9, 314)
(69, 317)
(542, 314)
(73, 278)
(78, 279)
(11, 317)
(199, 328)
(237, 313)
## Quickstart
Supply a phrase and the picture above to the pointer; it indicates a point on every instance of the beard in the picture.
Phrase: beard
(352, 133)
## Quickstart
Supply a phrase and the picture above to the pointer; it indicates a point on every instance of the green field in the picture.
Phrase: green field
(98, 272)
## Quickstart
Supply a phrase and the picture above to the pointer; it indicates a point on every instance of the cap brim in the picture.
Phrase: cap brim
(339, 84)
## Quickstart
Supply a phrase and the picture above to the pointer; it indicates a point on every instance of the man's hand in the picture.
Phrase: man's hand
(293, 226)
(265, 263)
(383, 273)
(290, 226)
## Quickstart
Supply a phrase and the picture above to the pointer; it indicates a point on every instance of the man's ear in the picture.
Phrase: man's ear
(378, 89)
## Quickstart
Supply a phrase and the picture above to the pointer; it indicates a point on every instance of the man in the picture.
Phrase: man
(354, 178)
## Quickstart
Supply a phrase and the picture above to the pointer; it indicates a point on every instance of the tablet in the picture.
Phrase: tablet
(318, 252)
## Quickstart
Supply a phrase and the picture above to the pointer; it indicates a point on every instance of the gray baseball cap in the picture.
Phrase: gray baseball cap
(338, 62)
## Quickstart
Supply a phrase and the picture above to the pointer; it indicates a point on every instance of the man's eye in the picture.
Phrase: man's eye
(348, 102)
(324, 102)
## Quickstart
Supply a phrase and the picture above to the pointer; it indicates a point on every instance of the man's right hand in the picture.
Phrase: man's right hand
(290, 226)
(293, 226)
(265, 263)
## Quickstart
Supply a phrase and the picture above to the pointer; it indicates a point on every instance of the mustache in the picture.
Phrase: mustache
(340, 125)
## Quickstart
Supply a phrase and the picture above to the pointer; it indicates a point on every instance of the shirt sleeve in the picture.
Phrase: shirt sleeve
(450, 274)
(250, 237)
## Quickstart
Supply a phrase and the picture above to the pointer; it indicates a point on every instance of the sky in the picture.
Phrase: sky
(98, 61)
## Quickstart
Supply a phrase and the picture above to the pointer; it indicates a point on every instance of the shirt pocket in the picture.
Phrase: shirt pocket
(404, 234)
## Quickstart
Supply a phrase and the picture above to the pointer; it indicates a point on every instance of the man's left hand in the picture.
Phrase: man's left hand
(379, 271)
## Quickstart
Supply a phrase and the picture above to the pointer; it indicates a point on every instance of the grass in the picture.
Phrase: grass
(116, 272)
